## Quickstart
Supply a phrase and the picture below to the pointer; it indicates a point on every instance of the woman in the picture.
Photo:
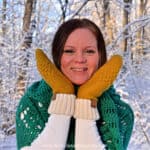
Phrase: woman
(75, 105)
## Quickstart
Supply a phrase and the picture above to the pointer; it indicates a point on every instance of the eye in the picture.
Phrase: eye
(90, 51)
(68, 51)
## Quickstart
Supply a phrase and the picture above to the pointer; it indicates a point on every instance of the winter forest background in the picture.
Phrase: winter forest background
(28, 24)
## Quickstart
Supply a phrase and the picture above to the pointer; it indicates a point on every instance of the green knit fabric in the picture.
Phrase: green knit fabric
(115, 125)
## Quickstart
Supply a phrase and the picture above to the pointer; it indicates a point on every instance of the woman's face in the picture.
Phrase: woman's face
(80, 57)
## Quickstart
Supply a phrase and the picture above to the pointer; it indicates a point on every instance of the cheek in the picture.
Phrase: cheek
(93, 65)
(64, 63)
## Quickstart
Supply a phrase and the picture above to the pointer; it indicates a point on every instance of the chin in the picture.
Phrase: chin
(79, 82)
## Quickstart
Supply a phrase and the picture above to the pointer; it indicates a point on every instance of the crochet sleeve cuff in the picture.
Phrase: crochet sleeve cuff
(84, 110)
(62, 104)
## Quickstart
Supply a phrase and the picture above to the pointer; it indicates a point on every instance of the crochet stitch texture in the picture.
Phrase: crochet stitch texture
(114, 126)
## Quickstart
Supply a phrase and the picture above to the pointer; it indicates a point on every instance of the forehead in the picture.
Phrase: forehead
(81, 35)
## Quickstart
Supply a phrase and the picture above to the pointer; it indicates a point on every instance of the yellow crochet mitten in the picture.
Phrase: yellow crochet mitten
(53, 77)
(88, 93)
(63, 90)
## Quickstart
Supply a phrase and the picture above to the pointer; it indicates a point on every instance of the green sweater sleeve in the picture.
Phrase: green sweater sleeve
(126, 117)
(116, 123)
(31, 114)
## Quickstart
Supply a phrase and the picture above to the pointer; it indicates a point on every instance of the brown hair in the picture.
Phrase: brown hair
(66, 29)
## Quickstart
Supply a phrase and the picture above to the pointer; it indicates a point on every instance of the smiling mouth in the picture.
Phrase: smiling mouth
(79, 69)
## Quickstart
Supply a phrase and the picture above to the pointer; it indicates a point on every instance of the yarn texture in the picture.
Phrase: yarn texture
(114, 126)
(101, 80)
(52, 76)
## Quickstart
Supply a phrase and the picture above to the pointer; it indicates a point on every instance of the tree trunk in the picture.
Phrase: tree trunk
(2, 43)
(29, 8)
(139, 37)
(4, 22)
(125, 22)
(63, 9)
(28, 28)
(108, 23)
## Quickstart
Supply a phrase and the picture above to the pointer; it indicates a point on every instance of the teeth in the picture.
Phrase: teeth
(79, 69)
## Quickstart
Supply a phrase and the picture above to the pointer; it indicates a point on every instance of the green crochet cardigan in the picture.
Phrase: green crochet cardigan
(115, 124)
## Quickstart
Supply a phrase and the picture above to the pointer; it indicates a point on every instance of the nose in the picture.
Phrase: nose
(80, 58)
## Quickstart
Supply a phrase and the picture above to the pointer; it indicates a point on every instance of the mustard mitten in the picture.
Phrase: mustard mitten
(88, 93)
(53, 77)
(63, 91)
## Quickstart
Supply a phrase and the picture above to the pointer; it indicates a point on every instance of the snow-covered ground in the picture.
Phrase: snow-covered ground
(8, 143)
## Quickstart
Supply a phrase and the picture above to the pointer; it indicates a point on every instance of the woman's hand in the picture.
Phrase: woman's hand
(63, 100)
(103, 78)
(57, 81)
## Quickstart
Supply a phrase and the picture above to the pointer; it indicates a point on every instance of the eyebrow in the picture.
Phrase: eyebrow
(91, 46)
(85, 46)
(69, 46)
